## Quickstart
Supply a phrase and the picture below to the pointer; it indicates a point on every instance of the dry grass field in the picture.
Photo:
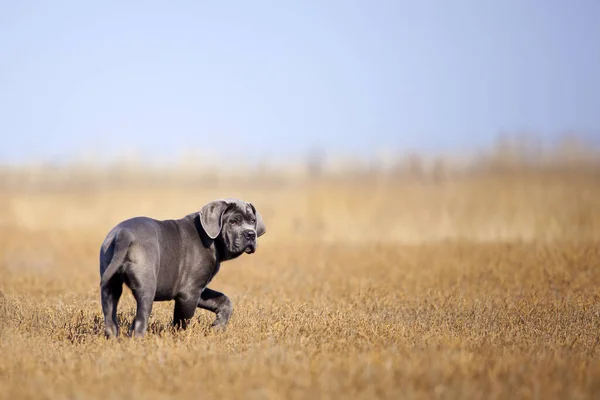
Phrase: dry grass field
(479, 288)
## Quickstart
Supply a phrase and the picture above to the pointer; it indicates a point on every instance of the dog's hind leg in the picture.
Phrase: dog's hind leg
(111, 293)
(142, 283)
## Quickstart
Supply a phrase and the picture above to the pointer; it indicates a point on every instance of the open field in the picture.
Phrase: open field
(481, 288)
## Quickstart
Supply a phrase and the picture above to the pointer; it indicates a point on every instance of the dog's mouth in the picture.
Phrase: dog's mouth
(250, 249)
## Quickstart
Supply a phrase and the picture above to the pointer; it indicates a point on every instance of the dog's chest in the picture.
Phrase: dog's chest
(212, 275)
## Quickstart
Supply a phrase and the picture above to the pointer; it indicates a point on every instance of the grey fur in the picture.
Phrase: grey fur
(175, 260)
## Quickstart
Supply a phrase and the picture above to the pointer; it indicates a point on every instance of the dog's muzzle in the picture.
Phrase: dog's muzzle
(250, 236)
(250, 248)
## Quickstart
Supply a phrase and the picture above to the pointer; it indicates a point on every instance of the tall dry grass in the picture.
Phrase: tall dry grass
(485, 287)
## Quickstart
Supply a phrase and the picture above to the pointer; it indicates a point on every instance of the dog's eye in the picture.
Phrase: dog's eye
(233, 222)
(252, 221)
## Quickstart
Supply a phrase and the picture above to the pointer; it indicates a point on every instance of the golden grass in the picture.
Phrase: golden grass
(484, 288)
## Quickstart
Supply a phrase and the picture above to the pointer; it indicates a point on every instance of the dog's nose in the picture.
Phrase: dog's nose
(250, 234)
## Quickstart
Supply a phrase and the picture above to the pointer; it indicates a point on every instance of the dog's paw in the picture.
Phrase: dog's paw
(218, 327)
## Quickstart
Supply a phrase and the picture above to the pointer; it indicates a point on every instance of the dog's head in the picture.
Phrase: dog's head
(234, 223)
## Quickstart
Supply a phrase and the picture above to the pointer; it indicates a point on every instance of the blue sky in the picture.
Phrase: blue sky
(277, 78)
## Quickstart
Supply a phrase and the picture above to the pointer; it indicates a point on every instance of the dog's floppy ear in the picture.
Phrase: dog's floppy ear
(260, 224)
(211, 217)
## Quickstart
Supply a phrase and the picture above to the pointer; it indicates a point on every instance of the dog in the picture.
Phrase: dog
(163, 260)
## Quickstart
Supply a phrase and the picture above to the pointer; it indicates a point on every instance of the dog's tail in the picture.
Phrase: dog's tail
(122, 241)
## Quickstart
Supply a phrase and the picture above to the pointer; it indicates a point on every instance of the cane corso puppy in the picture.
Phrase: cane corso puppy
(163, 260)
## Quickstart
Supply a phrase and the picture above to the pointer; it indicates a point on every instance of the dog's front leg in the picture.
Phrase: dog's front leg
(185, 306)
(218, 303)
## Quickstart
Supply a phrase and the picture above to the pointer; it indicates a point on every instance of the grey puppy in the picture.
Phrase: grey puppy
(175, 260)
